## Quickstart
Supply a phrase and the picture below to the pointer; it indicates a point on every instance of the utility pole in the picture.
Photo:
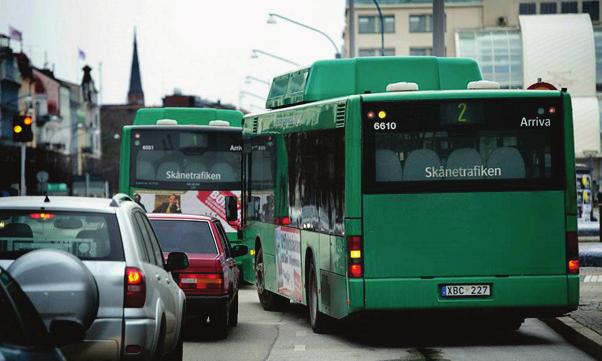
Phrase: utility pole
(351, 27)
(438, 28)
(23, 155)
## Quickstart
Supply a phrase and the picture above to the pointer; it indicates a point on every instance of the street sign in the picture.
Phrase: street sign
(57, 187)
(42, 176)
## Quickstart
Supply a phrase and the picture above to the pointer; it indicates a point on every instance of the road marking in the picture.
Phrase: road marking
(299, 348)
(301, 333)
(593, 279)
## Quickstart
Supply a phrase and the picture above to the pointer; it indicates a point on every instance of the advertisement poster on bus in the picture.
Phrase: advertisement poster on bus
(288, 262)
(205, 203)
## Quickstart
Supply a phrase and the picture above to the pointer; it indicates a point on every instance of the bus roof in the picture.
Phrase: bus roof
(188, 116)
(327, 79)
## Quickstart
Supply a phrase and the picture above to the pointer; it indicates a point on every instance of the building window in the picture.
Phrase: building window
(593, 9)
(375, 52)
(526, 8)
(421, 23)
(371, 24)
(568, 7)
(421, 51)
(548, 8)
(498, 52)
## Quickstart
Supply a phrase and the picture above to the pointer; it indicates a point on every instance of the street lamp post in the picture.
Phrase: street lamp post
(272, 20)
(244, 92)
(254, 55)
(248, 79)
(382, 28)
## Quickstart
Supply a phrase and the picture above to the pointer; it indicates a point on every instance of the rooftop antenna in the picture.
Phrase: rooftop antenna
(46, 199)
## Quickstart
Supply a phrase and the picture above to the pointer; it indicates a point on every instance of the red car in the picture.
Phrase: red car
(211, 281)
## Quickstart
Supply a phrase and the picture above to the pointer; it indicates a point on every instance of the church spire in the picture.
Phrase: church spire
(135, 93)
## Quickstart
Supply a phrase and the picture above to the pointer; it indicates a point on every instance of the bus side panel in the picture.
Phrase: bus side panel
(124, 160)
(353, 203)
(265, 232)
(353, 161)
(334, 294)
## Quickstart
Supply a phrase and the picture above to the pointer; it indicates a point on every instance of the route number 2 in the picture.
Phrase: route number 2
(462, 110)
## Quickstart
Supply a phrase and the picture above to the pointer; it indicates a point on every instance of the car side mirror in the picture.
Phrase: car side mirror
(239, 250)
(176, 261)
(63, 332)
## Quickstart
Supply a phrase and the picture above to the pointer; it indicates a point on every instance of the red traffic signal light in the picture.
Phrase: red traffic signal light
(22, 132)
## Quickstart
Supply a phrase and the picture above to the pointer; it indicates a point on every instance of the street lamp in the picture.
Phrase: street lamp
(272, 20)
(248, 79)
(244, 92)
(255, 52)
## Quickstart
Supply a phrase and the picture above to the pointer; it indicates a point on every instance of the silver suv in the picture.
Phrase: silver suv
(140, 306)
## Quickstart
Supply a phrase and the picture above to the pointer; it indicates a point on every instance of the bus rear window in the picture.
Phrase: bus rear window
(186, 158)
(463, 145)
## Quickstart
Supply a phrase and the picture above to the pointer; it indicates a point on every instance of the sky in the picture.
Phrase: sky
(201, 47)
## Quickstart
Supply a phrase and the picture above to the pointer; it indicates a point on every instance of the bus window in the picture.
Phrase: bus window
(464, 145)
(186, 159)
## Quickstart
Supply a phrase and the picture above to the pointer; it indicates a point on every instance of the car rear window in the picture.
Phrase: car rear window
(184, 236)
(86, 235)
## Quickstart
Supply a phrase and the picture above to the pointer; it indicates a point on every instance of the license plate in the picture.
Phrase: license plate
(465, 290)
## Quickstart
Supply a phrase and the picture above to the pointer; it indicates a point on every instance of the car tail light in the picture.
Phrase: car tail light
(135, 288)
(205, 283)
(355, 257)
(42, 215)
(572, 253)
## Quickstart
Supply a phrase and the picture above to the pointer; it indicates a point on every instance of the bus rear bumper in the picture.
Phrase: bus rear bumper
(531, 296)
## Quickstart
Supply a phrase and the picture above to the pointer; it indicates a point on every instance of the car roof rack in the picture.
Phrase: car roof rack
(120, 198)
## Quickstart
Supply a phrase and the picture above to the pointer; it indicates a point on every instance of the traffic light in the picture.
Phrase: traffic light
(22, 128)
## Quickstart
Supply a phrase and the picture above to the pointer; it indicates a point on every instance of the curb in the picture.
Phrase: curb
(582, 336)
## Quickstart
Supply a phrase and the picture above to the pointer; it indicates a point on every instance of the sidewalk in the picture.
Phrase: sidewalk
(583, 327)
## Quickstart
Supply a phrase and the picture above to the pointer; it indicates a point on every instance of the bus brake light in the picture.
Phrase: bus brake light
(356, 271)
(355, 261)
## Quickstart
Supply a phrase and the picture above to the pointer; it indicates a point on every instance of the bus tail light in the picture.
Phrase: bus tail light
(135, 288)
(282, 221)
(205, 283)
(355, 257)
(572, 253)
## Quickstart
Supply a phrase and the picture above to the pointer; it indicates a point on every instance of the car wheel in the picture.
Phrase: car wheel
(320, 323)
(269, 300)
(177, 354)
(220, 322)
(234, 311)
(158, 356)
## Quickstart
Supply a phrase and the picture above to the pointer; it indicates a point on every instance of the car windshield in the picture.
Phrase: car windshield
(88, 236)
(184, 236)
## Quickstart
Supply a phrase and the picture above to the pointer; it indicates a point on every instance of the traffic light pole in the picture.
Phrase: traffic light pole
(23, 155)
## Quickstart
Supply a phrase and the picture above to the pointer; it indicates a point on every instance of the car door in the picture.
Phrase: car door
(232, 270)
(168, 288)
(163, 285)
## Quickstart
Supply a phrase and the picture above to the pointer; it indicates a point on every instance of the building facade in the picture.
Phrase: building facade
(408, 24)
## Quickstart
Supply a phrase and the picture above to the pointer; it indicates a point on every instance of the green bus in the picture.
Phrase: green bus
(184, 160)
(410, 184)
